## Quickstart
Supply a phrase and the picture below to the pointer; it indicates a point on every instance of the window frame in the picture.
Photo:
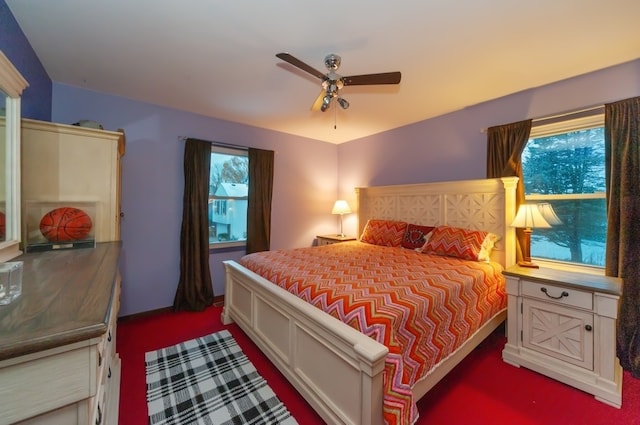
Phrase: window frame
(558, 125)
(233, 151)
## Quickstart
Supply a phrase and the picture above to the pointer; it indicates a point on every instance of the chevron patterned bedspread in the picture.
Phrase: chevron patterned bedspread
(422, 307)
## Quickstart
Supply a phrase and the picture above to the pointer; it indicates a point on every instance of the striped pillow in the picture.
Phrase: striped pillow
(384, 232)
(455, 242)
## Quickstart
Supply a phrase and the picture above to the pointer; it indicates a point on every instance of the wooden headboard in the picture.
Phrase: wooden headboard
(486, 204)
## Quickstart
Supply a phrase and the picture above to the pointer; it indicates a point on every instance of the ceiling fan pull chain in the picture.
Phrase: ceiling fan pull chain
(335, 112)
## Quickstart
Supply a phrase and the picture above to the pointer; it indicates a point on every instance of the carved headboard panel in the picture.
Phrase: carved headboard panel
(486, 204)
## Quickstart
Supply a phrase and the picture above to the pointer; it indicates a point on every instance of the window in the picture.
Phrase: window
(563, 164)
(228, 191)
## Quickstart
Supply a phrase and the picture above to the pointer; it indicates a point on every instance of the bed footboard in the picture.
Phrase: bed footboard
(337, 369)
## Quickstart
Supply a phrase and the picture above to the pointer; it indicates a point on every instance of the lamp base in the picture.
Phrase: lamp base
(529, 264)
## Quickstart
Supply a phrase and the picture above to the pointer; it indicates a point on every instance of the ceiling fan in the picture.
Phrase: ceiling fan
(332, 82)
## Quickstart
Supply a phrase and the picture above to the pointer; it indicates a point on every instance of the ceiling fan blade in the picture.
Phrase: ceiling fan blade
(367, 79)
(299, 64)
(318, 102)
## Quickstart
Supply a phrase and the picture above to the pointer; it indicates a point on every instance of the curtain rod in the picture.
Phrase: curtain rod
(219, 144)
(548, 119)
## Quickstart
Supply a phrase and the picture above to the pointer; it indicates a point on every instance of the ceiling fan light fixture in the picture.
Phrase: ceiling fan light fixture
(325, 102)
(343, 103)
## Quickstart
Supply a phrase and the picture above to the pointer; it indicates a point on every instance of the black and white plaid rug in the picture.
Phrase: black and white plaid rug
(209, 381)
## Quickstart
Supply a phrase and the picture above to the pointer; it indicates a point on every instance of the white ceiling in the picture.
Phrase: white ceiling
(217, 58)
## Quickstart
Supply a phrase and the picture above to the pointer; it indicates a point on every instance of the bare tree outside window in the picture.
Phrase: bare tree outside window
(567, 170)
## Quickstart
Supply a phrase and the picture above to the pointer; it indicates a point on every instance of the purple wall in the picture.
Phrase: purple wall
(452, 146)
(36, 99)
(449, 147)
(305, 185)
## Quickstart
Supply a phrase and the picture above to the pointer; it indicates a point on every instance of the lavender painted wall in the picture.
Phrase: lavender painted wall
(305, 186)
(452, 146)
(36, 99)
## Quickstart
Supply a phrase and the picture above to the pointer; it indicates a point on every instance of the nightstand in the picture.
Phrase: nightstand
(563, 324)
(330, 239)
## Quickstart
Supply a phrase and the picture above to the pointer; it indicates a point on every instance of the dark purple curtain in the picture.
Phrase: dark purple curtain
(195, 290)
(622, 156)
(505, 144)
(261, 164)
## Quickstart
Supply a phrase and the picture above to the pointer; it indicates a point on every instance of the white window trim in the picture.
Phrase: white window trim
(576, 124)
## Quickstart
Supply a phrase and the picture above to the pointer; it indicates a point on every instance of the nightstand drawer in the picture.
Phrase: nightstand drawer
(558, 294)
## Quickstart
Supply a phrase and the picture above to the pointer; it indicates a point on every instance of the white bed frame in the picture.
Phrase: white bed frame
(337, 369)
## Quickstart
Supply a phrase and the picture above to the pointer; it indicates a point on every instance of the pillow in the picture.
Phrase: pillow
(487, 246)
(456, 242)
(384, 232)
(414, 237)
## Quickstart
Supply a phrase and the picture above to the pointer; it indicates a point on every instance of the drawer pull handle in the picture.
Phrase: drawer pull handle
(564, 294)
(99, 359)
(99, 418)
(588, 328)
(109, 337)
(109, 374)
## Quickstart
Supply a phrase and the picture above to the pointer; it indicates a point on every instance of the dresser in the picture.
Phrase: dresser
(58, 359)
(563, 324)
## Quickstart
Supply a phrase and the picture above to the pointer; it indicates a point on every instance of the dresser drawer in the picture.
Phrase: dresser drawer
(54, 378)
(558, 294)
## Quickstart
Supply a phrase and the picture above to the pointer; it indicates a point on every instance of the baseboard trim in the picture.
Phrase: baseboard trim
(218, 301)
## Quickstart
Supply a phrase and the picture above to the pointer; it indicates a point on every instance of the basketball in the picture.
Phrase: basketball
(65, 224)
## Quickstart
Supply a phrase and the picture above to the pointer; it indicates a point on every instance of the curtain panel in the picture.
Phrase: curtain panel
(195, 289)
(622, 159)
(505, 144)
(261, 165)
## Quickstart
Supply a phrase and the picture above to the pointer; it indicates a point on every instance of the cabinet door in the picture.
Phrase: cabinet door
(560, 332)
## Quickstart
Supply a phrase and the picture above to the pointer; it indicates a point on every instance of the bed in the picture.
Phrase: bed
(342, 372)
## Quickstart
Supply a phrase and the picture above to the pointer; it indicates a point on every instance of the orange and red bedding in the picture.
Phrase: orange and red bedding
(421, 306)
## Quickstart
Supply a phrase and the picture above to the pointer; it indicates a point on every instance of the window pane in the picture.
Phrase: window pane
(565, 163)
(581, 236)
(567, 170)
(228, 190)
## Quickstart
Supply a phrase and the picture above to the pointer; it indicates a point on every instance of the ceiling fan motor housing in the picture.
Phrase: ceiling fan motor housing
(332, 62)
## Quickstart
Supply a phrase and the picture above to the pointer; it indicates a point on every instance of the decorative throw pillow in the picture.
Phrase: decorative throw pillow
(384, 232)
(414, 237)
(455, 242)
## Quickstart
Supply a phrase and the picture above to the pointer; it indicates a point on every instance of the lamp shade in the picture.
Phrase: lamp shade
(341, 207)
(529, 216)
(549, 214)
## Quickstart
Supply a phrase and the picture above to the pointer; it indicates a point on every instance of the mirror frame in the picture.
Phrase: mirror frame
(12, 84)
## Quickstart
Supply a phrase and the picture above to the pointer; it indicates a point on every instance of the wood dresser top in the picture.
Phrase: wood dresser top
(66, 297)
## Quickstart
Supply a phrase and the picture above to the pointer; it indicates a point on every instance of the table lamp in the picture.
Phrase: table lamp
(549, 214)
(341, 207)
(528, 217)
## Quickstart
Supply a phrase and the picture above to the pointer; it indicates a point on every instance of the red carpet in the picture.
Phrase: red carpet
(481, 390)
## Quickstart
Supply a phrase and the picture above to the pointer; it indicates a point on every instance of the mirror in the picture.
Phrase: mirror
(11, 86)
